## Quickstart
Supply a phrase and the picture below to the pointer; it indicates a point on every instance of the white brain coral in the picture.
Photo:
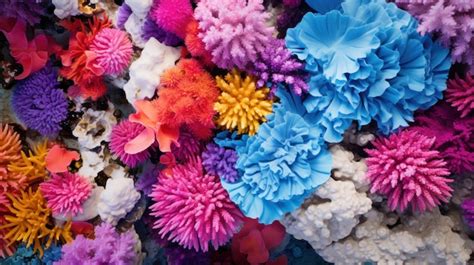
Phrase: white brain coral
(145, 72)
(118, 198)
(94, 127)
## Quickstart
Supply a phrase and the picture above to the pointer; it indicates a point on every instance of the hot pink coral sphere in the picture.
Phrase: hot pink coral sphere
(66, 193)
(113, 50)
(123, 133)
(460, 94)
(172, 15)
(406, 169)
(193, 209)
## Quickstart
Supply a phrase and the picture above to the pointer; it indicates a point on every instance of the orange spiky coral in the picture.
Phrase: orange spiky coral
(33, 165)
(10, 181)
(30, 222)
(10, 145)
(5, 248)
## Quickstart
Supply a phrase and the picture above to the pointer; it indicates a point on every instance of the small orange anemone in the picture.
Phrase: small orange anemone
(33, 165)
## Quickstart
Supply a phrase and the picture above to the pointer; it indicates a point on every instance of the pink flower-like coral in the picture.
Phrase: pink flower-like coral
(460, 94)
(193, 209)
(234, 31)
(112, 50)
(407, 169)
(172, 15)
(123, 133)
(66, 192)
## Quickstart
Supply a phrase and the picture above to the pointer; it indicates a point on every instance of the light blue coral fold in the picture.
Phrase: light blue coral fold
(367, 62)
(282, 164)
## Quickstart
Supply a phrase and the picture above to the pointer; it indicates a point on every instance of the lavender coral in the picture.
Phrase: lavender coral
(122, 133)
(468, 208)
(108, 247)
(275, 65)
(460, 94)
(39, 104)
(234, 31)
(407, 169)
(193, 209)
(451, 20)
(218, 161)
(187, 147)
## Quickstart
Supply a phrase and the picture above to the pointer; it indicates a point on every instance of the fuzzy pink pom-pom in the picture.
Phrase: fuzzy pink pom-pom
(406, 169)
(460, 94)
(172, 15)
(234, 31)
(112, 49)
(123, 133)
(66, 192)
(194, 209)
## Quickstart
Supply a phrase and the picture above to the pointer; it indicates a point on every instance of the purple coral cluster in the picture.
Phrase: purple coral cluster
(27, 10)
(151, 30)
(468, 208)
(39, 103)
(218, 161)
(276, 65)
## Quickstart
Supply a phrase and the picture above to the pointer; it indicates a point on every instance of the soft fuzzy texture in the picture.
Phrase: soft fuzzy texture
(468, 208)
(122, 133)
(454, 136)
(451, 20)
(118, 198)
(195, 45)
(39, 103)
(108, 247)
(10, 145)
(66, 193)
(234, 31)
(282, 164)
(405, 168)
(123, 13)
(220, 162)
(368, 67)
(24, 255)
(193, 209)
(460, 94)
(241, 105)
(113, 50)
(172, 15)
(32, 165)
(187, 147)
(275, 65)
(150, 29)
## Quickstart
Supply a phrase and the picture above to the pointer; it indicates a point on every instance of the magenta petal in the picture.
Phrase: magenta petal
(140, 143)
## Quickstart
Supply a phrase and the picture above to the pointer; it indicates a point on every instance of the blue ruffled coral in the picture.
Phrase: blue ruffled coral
(24, 255)
(367, 62)
(282, 164)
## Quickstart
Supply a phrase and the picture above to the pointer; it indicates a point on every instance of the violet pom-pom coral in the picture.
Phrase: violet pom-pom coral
(172, 15)
(275, 65)
(39, 104)
(193, 209)
(460, 94)
(407, 169)
(468, 208)
(218, 161)
(454, 136)
(122, 133)
(66, 193)
(150, 29)
(113, 50)
(234, 31)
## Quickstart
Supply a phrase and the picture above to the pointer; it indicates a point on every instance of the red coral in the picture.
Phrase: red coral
(253, 243)
(460, 94)
(195, 45)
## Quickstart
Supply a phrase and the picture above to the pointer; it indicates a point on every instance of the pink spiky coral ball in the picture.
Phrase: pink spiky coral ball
(460, 94)
(406, 169)
(65, 193)
(123, 133)
(172, 15)
(113, 50)
(193, 209)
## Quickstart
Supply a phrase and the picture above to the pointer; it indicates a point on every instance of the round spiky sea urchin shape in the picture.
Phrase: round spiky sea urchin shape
(113, 50)
(122, 133)
(10, 145)
(66, 192)
(407, 169)
(193, 209)
(460, 94)
(241, 105)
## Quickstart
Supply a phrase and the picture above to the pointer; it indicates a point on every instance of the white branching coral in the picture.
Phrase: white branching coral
(334, 209)
(118, 198)
(94, 127)
(145, 72)
(423, 239)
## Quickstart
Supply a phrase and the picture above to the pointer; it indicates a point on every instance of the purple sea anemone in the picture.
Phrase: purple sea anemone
(39, 104)
(218, 161)
(151, 29)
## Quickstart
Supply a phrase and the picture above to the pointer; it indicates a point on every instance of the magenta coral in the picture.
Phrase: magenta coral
(172, 15)
(407, 169)
(460, 94)
(193, 209)
(234, 31)
(112, 50)
(66, 192)
(123, 133)
(468, 208)
(187, 147)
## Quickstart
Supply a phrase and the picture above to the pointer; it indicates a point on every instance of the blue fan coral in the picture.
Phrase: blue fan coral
(367, 62)
(282, 164)
(39, 103)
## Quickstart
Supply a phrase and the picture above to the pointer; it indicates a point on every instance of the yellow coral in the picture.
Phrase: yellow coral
(241, 105)
(32, 166)
(30, 222)
(10, 145)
